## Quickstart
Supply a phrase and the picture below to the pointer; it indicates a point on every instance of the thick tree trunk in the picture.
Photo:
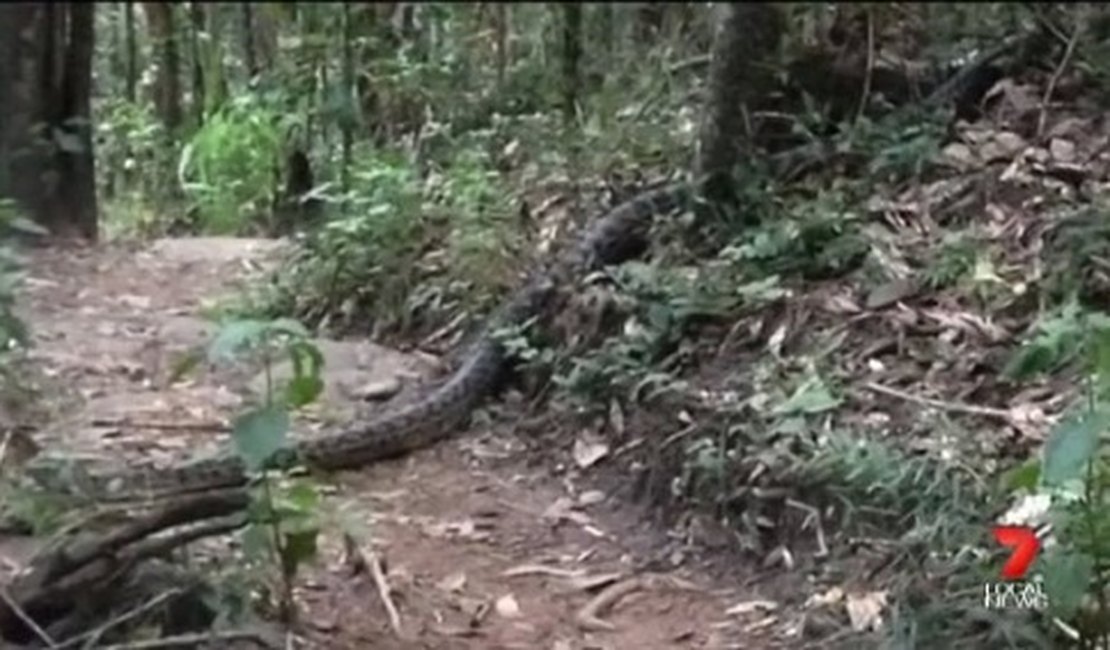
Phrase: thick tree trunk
(46, 149)
(747, 36)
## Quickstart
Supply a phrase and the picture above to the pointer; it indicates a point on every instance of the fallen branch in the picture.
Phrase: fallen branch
(90, 568)
(952, 407)
(193, 640)
(199, 427)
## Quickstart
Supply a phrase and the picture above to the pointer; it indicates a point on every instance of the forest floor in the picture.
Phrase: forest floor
(482, 549)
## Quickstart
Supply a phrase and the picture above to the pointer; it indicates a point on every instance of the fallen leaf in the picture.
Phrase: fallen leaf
(563, 508)
(591, 497)
(865, 611)
(453, 583)
(831, 597)
(507, 606)
(747, 607)
(588, 450)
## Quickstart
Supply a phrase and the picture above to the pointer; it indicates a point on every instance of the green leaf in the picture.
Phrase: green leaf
(256, 541)
(303, 390)
(288, 326)
(1102, 360)
(259, 434)
(306, 384)
(1071, 445)
(299, 547)
(1024, 476)
(1032, 359)
(297, 501)
(233, 336)
(1067, 576)
(811, 397)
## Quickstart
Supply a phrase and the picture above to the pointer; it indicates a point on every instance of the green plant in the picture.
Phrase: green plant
(1058, 341)
(956, 259)
(228, 168)
(1073, 476)
(283, 513)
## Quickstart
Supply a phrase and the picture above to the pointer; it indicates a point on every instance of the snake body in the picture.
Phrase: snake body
(619, 235)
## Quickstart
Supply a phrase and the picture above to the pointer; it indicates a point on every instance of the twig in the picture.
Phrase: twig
(382, 584)
(369, 559)
(27, 620)
(191, 640)
(693, 62)
(202, 427)
(870, 71)
(1056, 74)
(954, 407)
(815, 516)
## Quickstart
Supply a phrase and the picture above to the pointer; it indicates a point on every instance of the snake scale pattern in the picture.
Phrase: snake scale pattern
(617, 236)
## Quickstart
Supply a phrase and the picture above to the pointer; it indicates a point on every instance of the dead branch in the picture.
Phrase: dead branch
(91, 567)
(1042, 118)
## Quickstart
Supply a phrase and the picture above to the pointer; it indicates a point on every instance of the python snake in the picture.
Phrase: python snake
(617, 236)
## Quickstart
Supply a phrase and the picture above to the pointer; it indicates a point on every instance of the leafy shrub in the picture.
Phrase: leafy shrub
(228, 169)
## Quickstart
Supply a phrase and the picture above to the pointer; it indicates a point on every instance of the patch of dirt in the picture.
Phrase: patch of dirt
(451, 524)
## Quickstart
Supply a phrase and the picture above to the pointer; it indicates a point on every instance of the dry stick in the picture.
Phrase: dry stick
(1055, 78)
(202, 427)
(370, 560)
(954, 407)
(27, 620)
(382, 585)
(193, 640)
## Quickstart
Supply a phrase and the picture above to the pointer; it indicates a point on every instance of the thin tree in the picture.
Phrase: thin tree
(747, 35)
(167, 84)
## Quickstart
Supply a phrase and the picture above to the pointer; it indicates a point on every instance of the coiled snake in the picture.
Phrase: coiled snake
(619, 235)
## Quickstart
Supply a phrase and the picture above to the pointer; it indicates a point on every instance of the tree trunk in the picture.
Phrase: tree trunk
(196, 18)
(747, 35)
(167, 86)
(501, 18)
(572, 54)
(132, 55)
(649, 21)
(348, 90)
(46, 81)
(248, 40)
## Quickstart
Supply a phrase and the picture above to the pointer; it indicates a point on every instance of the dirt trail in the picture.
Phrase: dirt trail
(448, 522)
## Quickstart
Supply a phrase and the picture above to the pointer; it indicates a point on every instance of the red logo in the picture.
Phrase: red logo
(1026, 545)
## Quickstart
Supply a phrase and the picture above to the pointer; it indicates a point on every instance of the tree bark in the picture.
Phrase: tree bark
(747, 36)
(572, 54)
(132, 55)
(46, 147)
(196, 18)
(167, 86)
(248, 40)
